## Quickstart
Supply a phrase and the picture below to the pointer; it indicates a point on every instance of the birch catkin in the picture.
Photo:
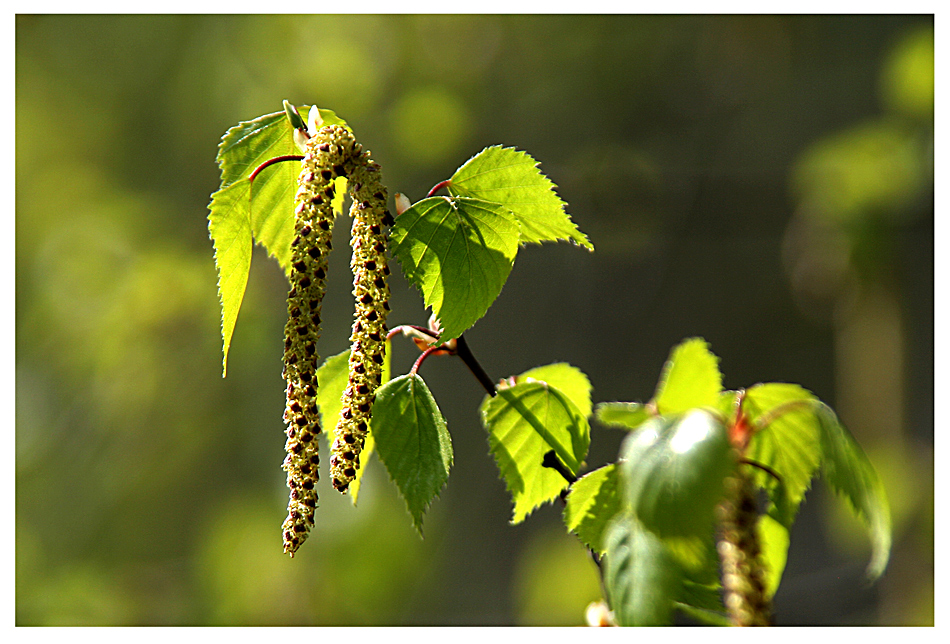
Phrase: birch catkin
(368, 338)
(325, 157)
(743, 579)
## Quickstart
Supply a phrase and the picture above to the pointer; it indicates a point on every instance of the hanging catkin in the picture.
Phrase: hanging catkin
(743, 582)
(326, 156)
(368, 338)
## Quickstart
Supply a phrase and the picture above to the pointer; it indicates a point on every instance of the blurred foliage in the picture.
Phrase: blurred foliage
(149, 490)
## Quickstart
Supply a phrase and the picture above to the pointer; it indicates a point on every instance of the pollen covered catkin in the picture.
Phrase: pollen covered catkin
(326, 154)
(368, 338)
(743, 581)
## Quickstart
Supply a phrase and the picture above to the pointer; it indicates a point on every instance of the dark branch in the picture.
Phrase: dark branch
(463, 352)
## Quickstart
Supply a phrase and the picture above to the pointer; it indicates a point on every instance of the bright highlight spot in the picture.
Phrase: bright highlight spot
(694, 428)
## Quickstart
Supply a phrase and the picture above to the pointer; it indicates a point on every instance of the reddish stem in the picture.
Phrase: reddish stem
(286, 157)
(421, 359)
(436, 187)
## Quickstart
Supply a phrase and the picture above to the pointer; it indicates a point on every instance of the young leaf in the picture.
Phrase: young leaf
(789, 443)
(627, 415)
(512, 178)
(412, 441)
(231, 235)
(773, 540)
(525, 422)
(570, 381)
(591, 504)
(673, 470)
(690, 379)
(641, 578)
(232, 227)
(851, 475)
(332, 378)
(458, 253)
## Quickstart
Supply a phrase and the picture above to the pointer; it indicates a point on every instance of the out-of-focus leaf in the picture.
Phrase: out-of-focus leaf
(512, 178)
(413, 441)
(458, 253)
(593, 501)
(773, 540)
(525, 422)
(628, 415)
(851, 475)
(789, 444)
(690, 379)
(673, 471)
(642, 580)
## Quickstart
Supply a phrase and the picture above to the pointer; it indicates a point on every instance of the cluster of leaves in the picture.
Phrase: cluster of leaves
(650, 516)
(458, 250)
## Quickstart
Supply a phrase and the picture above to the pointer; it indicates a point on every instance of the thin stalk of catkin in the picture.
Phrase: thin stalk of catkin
(324, 158)
(743, 576)
(368, 338)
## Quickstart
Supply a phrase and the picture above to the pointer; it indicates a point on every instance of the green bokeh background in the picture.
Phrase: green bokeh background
(763, 181)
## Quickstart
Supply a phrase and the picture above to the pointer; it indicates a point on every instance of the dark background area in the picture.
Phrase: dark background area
(765, 182)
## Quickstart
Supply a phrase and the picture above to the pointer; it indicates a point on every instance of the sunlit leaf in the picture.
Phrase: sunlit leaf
(332, 378)
(789, 444)
(641, 578)
(458, 253)
(512, 178)
(591, 504)
(231, 235)
(690, 379)
(413, 441)
(525, 422)
(627, 415)
(851, 475)
(570, 381)
(673, 470)
(234, 225)
(773, 540)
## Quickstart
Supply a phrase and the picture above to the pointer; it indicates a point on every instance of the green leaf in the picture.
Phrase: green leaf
(628, 415)
(690, 379)
(525, 422)
(789, 443)
(570, 381)
(593, 501)
(641, 578)
(512, 178)
(673, 471)
(234, 225)
(458, 253)
(413, 441)
(773, 540)
(231, 235)
(851, 475)
(332, 378)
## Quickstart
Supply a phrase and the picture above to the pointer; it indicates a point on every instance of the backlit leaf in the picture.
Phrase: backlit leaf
(458, 253)
(593, 501)
(690, 379)
(570, 381)
(626, 415)
(512, 178)
(851, 475)
(234, 225)
(789, 444)
(332, 378)
(525, 422)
